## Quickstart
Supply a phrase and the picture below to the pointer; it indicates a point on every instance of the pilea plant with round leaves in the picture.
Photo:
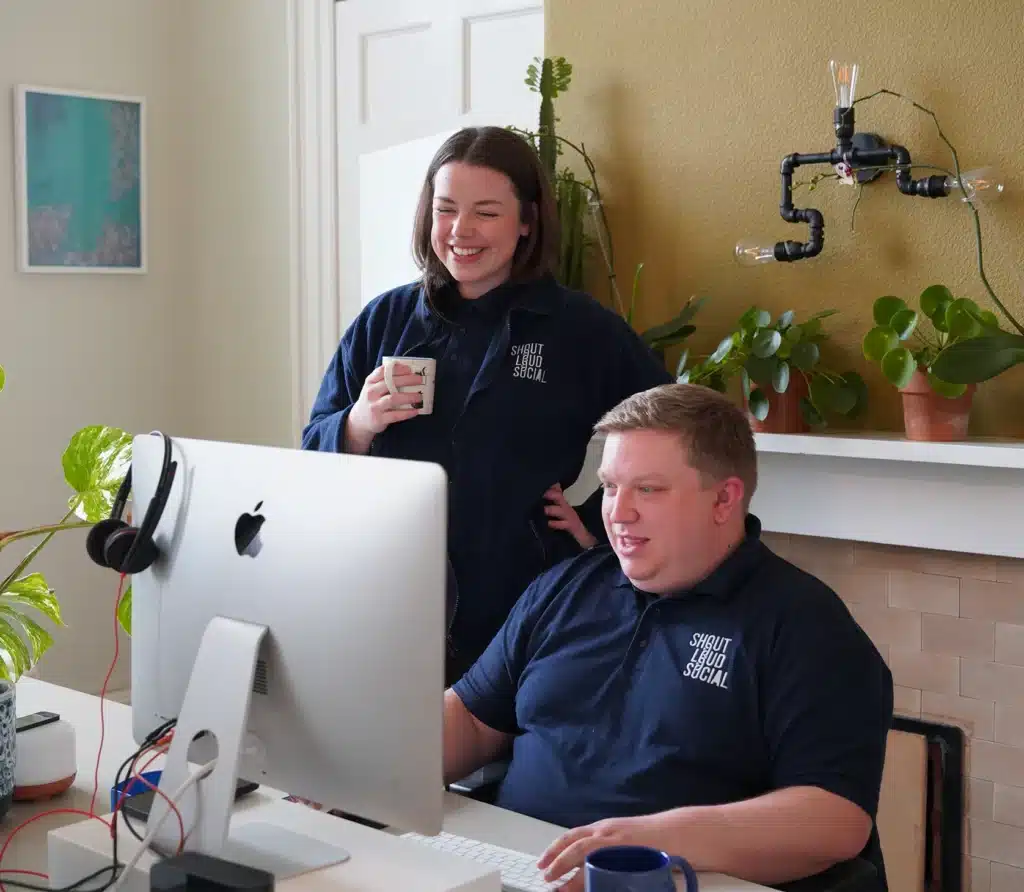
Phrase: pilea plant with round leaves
(94, 462)
(901, 345)
(767, 355)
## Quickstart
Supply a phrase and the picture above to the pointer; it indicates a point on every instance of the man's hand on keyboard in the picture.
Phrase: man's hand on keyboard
(572, 847)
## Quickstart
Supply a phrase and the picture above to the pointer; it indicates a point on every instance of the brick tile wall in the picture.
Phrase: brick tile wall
(951, 628)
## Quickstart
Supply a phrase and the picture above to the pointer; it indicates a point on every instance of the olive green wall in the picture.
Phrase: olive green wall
(688, 108)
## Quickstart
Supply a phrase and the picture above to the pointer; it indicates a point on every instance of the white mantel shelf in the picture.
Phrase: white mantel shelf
(966, 496)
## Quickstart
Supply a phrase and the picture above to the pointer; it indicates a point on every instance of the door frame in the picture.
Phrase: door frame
(314, 310)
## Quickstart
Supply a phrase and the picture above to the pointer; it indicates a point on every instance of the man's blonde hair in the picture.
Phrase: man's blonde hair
(713, 430)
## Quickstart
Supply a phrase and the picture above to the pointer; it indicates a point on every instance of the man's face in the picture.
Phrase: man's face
(665, 525)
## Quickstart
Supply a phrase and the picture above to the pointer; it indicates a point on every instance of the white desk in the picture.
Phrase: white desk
(464, 817)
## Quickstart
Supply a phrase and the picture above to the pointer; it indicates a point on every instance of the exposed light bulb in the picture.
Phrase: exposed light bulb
(750, 252)
(844, 81)
(982, 184)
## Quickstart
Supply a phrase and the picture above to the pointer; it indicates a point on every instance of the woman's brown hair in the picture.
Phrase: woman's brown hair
(510, 154)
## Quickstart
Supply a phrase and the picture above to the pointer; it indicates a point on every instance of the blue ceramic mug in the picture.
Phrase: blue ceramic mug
(634, 869)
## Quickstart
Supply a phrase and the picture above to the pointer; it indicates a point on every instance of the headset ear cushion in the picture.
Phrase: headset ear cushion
(96, 541)
(120, 544)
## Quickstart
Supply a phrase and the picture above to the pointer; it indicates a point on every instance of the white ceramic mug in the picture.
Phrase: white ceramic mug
(420, 365)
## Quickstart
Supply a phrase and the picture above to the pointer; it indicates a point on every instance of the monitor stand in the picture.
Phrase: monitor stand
(217, 701)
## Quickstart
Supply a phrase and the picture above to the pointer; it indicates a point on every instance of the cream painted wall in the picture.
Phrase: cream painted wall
(235, 102)
(689, 107)
(200, 346)
(86, 349)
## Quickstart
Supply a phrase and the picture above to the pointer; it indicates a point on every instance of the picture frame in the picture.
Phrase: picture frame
(81, 169)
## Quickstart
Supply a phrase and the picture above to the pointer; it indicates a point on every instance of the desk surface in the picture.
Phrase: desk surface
(464, 817)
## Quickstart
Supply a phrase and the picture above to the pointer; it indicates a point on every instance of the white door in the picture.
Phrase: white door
(410, 73)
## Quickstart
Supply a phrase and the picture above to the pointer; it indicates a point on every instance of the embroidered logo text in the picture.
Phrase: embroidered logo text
(710, 653)
(529, 362)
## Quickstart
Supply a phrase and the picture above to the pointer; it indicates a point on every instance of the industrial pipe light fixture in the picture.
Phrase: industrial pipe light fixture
(857, 157)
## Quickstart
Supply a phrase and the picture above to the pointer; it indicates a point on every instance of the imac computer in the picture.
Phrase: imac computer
(293, 624)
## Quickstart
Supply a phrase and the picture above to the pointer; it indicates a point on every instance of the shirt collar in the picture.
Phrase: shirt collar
(540, 296)
(728, 576)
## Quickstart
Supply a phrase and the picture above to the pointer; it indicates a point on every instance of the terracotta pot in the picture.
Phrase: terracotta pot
(932, 417)
(784, 415)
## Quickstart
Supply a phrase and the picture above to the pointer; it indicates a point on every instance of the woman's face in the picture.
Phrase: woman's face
(477, 223)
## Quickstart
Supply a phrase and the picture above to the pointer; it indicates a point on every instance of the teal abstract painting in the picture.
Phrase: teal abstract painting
(81, 181)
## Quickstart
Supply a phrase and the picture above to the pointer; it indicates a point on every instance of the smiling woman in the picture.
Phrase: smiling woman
(516, 391)
(476, 238)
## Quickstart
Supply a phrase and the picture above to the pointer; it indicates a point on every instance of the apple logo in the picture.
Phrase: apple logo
(247, 532)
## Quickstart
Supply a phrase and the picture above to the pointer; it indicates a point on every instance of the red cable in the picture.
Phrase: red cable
(137, 775)
(45, 814)
(103, 696)
(26, 873)
(91, 813)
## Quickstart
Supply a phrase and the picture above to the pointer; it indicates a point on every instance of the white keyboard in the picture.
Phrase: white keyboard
(518, 870)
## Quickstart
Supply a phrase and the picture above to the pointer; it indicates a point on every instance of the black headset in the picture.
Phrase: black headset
(127, 549)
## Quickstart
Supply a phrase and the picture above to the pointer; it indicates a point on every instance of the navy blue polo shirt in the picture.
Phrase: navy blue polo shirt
(523, 374)
(624, 703)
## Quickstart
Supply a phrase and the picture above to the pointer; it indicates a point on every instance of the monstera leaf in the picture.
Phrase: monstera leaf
(22, 640)
(95, 462)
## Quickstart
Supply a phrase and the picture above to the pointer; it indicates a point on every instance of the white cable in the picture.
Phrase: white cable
(151, 833)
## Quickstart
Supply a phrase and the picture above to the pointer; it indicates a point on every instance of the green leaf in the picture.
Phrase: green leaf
(754, 319)
(124, 610)
(32, 591)
(822, 314)
(898, 366)
(758, 404)
(762, 371)
(886, 307)
(961, 320)
(821, 393)
(3, 377)
(989, 321)
(979, 359)
(39, 640)
(934, 299)
(903, 323)
(766, 342)
(855, 384)
(723, 349)
(944, 388)
(670, 340)
(780, 380)
(95, 462)
(684, 378)
(794, 333)
(786, 320)
(811, 415)
(805, 355)
(745, 383)
(879, 341)
(680, 322)
(14, 650)
(843, 399)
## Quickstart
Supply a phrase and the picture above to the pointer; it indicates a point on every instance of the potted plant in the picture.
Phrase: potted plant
(95, 462)
(786, 387)
(579, 199)
(935, 408)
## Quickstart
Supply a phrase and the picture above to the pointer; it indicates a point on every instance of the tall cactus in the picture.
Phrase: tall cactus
(579, 199)
(549, 77)
(553, 77)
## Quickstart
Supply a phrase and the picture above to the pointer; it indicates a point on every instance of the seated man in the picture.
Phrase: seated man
(683, 687)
